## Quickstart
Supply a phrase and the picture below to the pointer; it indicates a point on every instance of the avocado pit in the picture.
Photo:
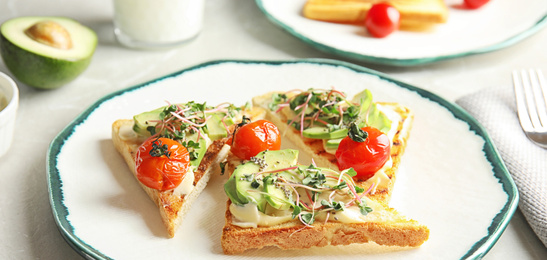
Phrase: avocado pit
(50, 33)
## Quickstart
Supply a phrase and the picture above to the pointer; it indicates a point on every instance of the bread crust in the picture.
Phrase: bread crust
(294, 235)
(172, 208)
(314, 147)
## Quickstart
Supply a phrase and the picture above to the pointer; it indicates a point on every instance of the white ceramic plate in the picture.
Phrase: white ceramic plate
(498, 24)
(451, 178)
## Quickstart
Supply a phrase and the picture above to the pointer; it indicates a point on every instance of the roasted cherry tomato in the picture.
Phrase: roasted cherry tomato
(255, 137)
(474, 4)
(382, 19)
(366, 157)
(161, 163)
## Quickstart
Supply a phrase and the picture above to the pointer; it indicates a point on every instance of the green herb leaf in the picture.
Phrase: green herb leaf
(308, 218)
(313, 177)
(352, 112)
(192, 144)
(222, 166)
(296, 211)
(357, 134)
(159, 149)
(255, 184)
(192, 148)
(350, 171)
(364, 208)
(340, 186)
(179, 134)
(277, 98)
(338, 206)
(193, 155)
(167, 111)
(297, 101)
(151, 130)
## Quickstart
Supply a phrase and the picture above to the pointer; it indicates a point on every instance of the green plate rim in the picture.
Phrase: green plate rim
(477, 251)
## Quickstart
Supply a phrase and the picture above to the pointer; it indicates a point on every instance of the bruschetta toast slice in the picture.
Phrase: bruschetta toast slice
(202, 130)
(396, 122)
(274, 201)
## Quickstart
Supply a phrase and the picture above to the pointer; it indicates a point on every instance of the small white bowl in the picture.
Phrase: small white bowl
(9, 91)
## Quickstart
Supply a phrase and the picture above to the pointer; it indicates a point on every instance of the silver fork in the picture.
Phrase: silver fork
(531, 96)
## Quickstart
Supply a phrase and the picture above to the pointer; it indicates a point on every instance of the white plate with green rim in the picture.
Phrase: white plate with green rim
(451, 178)
(496, 25)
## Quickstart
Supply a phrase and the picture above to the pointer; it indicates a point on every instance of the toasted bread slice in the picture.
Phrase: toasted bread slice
(173, 207)
(415, 14)
(384, 180)
(383, 226)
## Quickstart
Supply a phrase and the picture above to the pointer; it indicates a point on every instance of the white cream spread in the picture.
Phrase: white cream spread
(127, 134)
(187, 184)
(248, 215)
(394, 117)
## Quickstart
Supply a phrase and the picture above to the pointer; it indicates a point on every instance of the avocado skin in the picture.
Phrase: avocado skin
(39, 71)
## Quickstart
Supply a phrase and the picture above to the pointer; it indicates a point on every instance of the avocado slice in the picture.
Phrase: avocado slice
(276, 195)
(46, 52)
(244, 183)
(331, 145)
(242, 187)
(215, 127)
(145, 119)
(231, 190)
(369, 114)
(322, 132)
(200, 151)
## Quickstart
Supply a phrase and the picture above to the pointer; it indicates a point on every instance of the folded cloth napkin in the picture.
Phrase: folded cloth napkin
(495, 109)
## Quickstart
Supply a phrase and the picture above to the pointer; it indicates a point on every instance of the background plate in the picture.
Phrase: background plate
(496, 25)
(451, 178)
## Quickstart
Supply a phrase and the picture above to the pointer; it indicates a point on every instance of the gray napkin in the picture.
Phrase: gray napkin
(495, 109)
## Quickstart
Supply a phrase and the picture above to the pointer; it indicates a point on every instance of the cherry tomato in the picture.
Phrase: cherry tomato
(366, 157)
(161, 163)
(474, 4)
(382, 19)
(255, 137)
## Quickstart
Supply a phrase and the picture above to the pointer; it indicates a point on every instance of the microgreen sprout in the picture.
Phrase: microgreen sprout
(179, 121)
(306, 186)
(328, 108)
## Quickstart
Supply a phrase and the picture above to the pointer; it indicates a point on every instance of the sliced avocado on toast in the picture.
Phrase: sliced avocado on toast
(245, 186)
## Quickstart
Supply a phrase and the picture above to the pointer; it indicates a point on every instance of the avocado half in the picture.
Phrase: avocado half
(43, 65)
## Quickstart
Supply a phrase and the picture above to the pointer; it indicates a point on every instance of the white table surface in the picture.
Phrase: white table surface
(234, 29)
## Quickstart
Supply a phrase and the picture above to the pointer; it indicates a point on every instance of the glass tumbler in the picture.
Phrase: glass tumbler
(152, 24)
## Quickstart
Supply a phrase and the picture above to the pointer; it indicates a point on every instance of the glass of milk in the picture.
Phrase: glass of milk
(9, 101)
(153, 24)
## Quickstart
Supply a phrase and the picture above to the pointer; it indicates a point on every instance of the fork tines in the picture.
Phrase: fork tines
(531, 96)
